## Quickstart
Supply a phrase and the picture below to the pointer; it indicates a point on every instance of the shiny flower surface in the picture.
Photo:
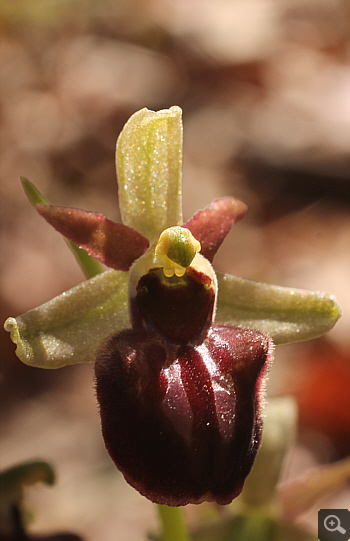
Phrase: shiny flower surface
(181, 352)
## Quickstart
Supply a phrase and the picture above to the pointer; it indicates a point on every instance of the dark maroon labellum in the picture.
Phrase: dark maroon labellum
(183, 422)
(179, 308)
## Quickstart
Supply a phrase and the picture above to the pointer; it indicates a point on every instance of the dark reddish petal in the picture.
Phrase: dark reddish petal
(183, 424)
(211, 225)
(115, 245)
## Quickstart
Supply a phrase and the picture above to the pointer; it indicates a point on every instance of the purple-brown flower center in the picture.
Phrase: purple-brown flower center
(179, 308)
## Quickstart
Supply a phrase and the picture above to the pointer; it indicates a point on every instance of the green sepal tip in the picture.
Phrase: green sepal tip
(89, 265)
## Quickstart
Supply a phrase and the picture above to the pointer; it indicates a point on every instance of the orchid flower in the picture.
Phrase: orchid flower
(181, 353)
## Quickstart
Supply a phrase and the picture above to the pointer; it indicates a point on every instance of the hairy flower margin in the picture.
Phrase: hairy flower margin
(182, 350)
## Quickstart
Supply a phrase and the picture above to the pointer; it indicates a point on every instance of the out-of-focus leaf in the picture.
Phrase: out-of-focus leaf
(279, 432)
(115, 245)
(297, 496)
(89, 265)
(285, 314)
(14, 479)
(149, 170)
(12, 483)
(211, 225)
(69, 328)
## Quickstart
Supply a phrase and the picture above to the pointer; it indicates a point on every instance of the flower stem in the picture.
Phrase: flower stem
(173, 524)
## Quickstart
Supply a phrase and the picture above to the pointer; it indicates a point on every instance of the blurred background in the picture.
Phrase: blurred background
(265, 90)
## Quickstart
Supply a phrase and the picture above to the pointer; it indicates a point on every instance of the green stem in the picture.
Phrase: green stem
(173, 524)
(255, 525)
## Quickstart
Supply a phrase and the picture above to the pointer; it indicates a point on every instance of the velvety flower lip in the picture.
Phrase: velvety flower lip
(180, 397)
(185, 429)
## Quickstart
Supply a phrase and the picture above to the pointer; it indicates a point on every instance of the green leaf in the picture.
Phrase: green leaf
(149, 165)
(69, 328)
(285, 314)
(89, 265)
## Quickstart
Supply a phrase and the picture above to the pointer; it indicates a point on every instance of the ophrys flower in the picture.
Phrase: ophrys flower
(181, 352)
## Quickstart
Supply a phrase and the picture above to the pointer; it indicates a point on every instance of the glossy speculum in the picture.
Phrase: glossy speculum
(183, 422)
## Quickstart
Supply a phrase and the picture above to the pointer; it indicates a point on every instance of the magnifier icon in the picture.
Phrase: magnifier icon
(332, 524)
